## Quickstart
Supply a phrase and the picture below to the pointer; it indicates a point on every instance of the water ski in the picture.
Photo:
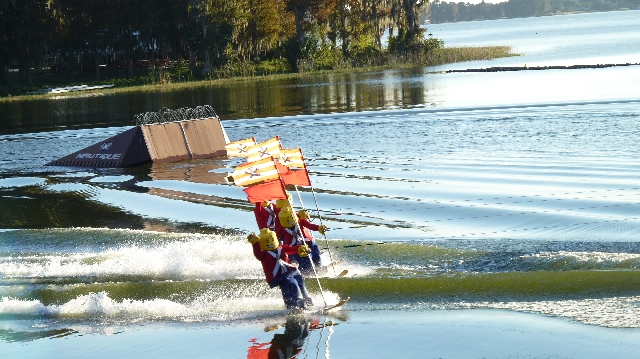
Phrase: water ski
(324, 270)
(338, 305)
(343, 273)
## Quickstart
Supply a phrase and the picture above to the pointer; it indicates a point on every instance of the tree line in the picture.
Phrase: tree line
(205, 37)
(443, 11)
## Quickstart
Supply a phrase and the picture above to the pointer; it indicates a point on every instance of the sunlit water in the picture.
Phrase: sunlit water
(515, 190)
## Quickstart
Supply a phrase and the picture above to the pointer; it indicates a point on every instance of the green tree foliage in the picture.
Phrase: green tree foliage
(204, 38)
(407, 43)
(26, 34)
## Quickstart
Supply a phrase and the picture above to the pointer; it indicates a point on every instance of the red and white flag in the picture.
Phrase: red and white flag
(249, 173)
(292, 168)
(239, 148)
(296, 177)
(267, 191)
(266, 149)
(292, 157)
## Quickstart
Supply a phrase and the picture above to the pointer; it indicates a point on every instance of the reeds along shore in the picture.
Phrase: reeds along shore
(146, 80)
(460, 54)
(447, 55)
(537, 68)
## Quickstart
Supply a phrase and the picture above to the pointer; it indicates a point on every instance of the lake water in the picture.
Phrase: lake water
(464, 205)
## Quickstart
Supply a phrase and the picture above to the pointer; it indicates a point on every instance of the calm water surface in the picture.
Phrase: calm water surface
(515, 191)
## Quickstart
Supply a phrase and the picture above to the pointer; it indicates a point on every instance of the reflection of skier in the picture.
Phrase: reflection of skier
(278, 270)
(286, 345)
(294, 232)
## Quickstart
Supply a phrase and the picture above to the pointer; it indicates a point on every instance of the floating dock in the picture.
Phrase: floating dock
(158, 142)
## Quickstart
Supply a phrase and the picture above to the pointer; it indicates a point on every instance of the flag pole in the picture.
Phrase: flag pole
(315, 272)
(317, 210)
(299, 197)
(325, 237)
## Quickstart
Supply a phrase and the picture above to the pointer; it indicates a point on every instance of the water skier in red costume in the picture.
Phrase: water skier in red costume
(278, 270)
(294, 231)
(265, 213)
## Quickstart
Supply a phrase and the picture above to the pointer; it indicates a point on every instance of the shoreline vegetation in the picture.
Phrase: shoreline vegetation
(133, 43)
(147, 80)
(127, 43)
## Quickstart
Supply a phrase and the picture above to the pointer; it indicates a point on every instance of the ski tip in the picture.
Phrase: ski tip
(343, 273)
(337, 305)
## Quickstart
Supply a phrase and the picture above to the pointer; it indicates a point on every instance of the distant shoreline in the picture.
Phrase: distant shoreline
(125, 84)
(470, 16)
(538, 68)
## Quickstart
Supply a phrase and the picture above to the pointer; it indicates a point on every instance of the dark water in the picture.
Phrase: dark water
(514, 191)
(320, 93)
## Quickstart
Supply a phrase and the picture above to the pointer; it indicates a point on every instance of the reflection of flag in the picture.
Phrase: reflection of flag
(267, 191)
(264, 149)
(239, 148)
(254, 172)
(292, 158)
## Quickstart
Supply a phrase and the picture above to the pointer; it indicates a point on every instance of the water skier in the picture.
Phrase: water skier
(278, 270)
(294, 231)
(265, 213)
